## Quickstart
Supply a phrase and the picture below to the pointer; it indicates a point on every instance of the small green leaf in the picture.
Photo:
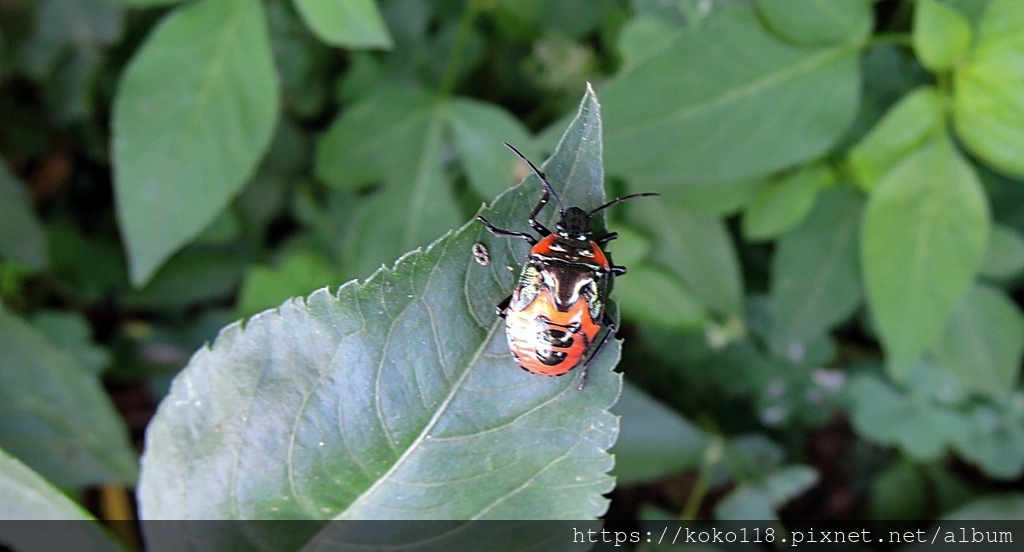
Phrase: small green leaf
(762, 499)
(83, 22)
(681, 117)
(917, 118)
(194, 112)
(478, 130)
(1006, 506)
(193, 275)
(988, 106)
(297, 275)
(970, 9)
(924, 231)
(925, 430)
(21, 234)
(71, 332)
(941, 35)
(54, 415)
(819, 21)
(395, 137)
(899, 492)
(24, 496)
(394, 398)
(148, 3)
(996, 440)
(642, 36)
(654, 440)
(349, 23)
(983, 341)
(651, 296)
(695, 247)
(630, 248)
(368, 141)
(1004, 256)
(751, 456)
(815, 275)
(783, 204)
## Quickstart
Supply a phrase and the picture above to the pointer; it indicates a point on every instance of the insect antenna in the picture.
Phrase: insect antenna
(621, 199)
(540, 175)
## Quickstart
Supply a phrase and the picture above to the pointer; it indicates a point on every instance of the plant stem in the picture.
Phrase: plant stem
(712, 456)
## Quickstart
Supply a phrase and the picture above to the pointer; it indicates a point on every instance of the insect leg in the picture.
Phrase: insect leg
(501, 309)
(506, 233)
(609, 330)
(607, 238)
(534, 223)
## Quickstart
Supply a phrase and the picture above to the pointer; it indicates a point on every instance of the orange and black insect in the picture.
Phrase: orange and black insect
(555, 319)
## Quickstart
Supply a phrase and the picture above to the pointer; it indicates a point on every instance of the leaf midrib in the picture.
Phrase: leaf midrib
(214, 72)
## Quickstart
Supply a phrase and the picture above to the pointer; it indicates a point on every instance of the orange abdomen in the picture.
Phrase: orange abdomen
(546, 341)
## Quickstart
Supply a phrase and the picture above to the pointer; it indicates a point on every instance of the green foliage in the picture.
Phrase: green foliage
(54, 413)
(195, 111)
(27, 496)
(989, 95)
(353, 23)
(783, 204)
(21, 235)
(839, 237)
(660, 111)
(811, 292)
(941, 35)
(655, 440)
(925, 229)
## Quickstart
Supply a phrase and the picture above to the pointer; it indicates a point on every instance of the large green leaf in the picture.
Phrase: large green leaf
(988, 106)
(54, 414)
(924, 232)
(691, 113)
(352, 23)
(815, 276)
(983, 341)
(21, 234)
(194, 112)
(24, 495)
(818, 21)
(393, 398)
